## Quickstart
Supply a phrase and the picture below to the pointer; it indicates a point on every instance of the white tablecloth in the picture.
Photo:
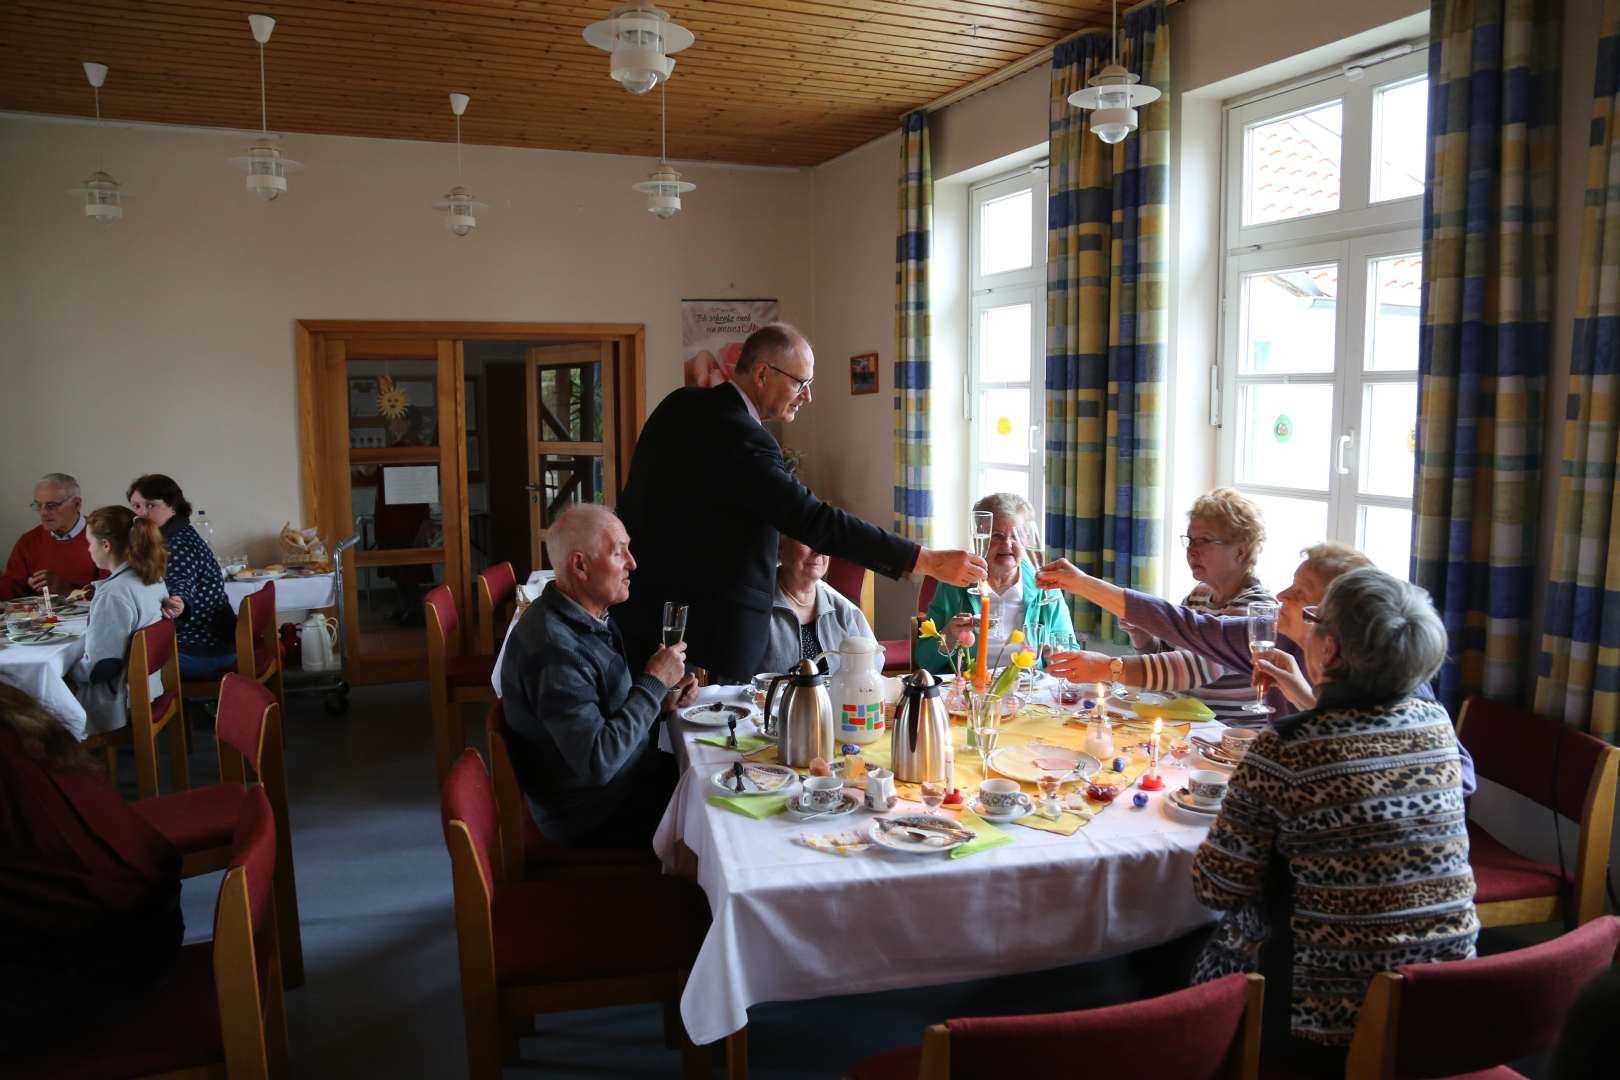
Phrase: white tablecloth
(292, 593)
(39, 670)
(791, 923)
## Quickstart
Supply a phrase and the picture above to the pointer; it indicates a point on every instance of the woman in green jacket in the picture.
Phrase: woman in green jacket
(1014, 601)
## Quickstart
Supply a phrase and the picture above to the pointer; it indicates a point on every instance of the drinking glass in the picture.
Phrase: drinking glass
(1050, 785)
(933, 793)
(674, 624)
(1180, 751)
(1262, 639)
(985, 716)
(983, 524)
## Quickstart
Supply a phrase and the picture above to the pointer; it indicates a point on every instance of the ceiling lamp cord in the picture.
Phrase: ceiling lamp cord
(264, 109)
(101, 135)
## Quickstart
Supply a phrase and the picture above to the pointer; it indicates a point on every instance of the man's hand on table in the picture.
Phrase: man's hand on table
(681, 694)
(961, 568)
(668, 664)
(40, 580)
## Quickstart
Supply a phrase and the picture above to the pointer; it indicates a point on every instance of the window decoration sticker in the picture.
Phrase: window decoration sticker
(1004, 426)
(391, 401)
(1283, 429)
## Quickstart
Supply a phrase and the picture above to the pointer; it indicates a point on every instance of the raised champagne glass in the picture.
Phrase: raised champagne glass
(1262, 639)
(984, 524)
(674, 624)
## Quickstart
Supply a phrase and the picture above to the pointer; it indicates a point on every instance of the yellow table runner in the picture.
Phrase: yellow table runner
(1042, 724)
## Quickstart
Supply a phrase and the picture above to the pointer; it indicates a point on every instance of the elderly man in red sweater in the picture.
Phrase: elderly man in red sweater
(53, 554)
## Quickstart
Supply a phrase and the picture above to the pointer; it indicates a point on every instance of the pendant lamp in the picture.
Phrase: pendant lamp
(641, 38)
(663, 186)
(1114, 95)
(458, 203)
(103, 196)
(267, 167)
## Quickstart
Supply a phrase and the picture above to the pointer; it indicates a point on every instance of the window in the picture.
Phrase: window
(1007, 335)
(1319, 306)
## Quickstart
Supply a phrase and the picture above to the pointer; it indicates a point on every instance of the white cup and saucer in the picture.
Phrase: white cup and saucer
(823, 795)
(1204, 793)
(1002, 800)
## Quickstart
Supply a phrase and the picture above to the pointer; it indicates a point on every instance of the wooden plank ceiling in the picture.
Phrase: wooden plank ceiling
(770, 82)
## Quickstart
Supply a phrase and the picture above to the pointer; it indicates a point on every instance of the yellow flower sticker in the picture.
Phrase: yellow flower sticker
(1004, 426)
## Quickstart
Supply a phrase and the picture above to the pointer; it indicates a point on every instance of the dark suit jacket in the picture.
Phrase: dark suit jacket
(708, 493)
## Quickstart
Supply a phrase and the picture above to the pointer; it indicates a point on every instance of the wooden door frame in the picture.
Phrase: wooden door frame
(310, 340)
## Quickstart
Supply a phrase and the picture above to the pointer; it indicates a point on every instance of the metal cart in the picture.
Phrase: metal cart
(330, 683)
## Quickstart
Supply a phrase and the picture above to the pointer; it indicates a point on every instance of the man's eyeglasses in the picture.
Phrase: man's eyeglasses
(802, 385)
(1311, 613)
(48, 507)
(1202, 541)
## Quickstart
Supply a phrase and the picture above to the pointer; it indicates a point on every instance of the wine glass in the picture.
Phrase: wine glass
(932, 794)
(1262, 639)
(983, 525)
(1180, 750)
(674, 624)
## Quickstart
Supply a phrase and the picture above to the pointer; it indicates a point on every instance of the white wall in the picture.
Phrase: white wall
(165, 342)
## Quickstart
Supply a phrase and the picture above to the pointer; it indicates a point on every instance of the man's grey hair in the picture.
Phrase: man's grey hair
(1006, 504)
(581, 527)
(68, 484)
(772, 339)
(1391, 641)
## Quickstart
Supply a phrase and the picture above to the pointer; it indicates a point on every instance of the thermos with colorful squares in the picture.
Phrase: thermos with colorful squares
(857, 690)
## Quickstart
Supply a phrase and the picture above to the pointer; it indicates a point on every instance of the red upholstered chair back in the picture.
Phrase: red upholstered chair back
(261, 608)
(497, 587)
(845, 578)
(1544, 760)
(1511, 1005)
(443, 603)
(925, 594)
(160, 648)
(1192, 1034)
(253, 847)
(242, 707)
(467, 797)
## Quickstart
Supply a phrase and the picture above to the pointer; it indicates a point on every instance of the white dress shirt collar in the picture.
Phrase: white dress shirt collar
(78, 527)
(747, 401)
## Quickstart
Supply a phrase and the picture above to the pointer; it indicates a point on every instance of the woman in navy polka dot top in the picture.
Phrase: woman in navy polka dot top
(204, 625)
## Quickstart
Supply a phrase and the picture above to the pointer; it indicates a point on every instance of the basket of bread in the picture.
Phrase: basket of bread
(303, 552)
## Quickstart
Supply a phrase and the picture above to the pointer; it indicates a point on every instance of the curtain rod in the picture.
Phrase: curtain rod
(1018, 67)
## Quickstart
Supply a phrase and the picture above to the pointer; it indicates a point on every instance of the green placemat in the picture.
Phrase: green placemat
(745, 743)
(754, 806)
(985, 836)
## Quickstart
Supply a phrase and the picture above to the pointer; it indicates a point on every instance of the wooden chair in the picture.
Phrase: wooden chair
(854, 583)
(258, 651)
(200, 822)
(220, 1013)
(1565, 770)
(151, 651)
(525, 852)
(531, 947)
(1204, 1032)
(1471, 1016)
(497, 597)
(453, 679)
(900, 657)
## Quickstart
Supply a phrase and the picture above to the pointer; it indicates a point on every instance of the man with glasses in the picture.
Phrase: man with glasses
(52, 555)
(708, 495)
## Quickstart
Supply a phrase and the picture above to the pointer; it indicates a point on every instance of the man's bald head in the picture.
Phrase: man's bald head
(583, 527)
(775, 369)
(590, 551)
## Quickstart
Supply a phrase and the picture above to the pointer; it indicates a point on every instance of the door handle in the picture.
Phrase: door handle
(1345, 442)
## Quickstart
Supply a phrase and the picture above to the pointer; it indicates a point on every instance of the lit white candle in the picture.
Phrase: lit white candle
(1158, 726)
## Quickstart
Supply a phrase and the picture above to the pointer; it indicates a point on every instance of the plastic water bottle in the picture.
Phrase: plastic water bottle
(205, 529)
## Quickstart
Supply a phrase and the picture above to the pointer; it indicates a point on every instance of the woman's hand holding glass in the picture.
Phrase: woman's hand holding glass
(1279, 669)
(1081, 666)
(1060, 574)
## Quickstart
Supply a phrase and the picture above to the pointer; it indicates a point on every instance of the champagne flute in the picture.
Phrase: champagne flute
(1262, 639)
(674, 624)
(983, 525)
(985, 716)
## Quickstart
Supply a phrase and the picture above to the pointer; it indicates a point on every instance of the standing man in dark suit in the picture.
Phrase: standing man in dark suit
(708, 494)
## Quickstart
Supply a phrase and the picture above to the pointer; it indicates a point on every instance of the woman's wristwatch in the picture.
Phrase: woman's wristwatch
(1116, 669)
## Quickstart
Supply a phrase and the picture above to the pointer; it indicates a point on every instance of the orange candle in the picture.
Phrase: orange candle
(981, 665)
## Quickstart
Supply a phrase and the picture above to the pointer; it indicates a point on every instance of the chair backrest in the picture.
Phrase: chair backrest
(1204, 1032)
(152, 650)
(467, 798)
(258, 646)
(497, 586)
(1544, 760)
(854, 583)
(1511, 1005)
(509, 800)
(244, 707)
(443, 623)
(925, 594)
(247, 968)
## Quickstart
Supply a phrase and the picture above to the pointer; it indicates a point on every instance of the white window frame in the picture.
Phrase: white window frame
(988, 291)
(1359, 231)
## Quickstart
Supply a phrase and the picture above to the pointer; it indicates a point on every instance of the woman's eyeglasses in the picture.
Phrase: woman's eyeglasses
(1312, 613)
(1202, 541)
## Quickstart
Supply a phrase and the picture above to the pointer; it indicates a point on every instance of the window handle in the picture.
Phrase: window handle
(1345, 442)
(1034, 432)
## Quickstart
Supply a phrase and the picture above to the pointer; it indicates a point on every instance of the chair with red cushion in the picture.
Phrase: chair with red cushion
(526, 854)
(854, 583)
(1203, 1032)
(1564, 770)
(220, 1012)
(454, 679)
(900, 655)
(200, 822)
(1469, 1016)
(152, 651)
(497, 595)
(530, 947)
(258, 648)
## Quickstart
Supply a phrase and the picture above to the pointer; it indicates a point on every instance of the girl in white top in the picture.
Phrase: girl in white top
(132, 552)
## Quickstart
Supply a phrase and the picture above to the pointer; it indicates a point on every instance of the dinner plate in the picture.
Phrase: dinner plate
(895, 840)
(1216, 759)
(260, 575)
(1023, 762)
(758, 779)
(1123, 700)
(714, 714)
(1023, 811)
(1180, 798)
(849, 805)
(52, 636)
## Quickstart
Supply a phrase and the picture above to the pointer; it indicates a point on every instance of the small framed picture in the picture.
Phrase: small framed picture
(863, 373)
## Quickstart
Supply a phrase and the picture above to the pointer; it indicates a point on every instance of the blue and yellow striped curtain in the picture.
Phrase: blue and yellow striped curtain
(1107, 325)
(1488, 220)
(1578, 677)
(913, 505)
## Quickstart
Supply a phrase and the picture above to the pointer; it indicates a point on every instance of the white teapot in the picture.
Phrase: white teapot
(859, 690)
(317, 639)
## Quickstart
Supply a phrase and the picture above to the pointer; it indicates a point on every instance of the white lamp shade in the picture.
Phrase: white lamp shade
(267, 168)
(1115, 95)
(641, 39)
(663, 189)
(459, 207)
(1112, 125)
(103, 198)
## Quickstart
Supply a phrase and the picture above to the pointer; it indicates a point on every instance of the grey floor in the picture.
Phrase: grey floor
(382, 996)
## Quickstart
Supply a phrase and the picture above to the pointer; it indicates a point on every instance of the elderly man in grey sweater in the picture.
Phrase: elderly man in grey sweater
(583, 727)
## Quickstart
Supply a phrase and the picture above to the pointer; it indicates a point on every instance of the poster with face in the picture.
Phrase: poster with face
(713, 332)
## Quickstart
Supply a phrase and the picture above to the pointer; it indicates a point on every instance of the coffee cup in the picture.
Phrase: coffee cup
(1001, 796)
(1206, 786)
(1235, 742)
(822, 793)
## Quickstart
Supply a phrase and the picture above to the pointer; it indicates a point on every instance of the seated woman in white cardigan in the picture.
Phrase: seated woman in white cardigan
(132, 552)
